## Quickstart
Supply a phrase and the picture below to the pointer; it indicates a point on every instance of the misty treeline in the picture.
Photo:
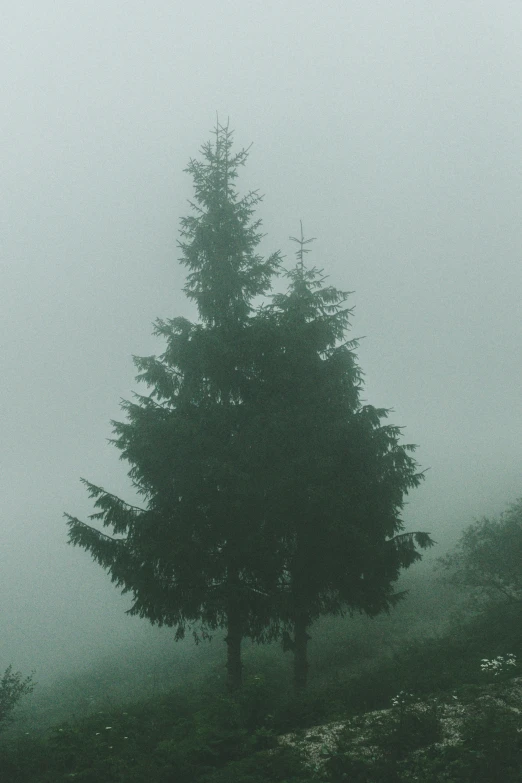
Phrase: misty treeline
(271, 495)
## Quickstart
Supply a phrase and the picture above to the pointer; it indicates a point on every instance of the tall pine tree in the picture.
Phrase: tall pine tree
(192, 554)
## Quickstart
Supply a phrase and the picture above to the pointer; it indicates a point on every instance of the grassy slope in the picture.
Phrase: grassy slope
(193, 733)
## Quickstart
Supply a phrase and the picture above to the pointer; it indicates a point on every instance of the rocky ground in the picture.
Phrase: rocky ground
(436, 721)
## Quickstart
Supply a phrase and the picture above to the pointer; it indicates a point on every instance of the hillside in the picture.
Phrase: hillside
(424, 708)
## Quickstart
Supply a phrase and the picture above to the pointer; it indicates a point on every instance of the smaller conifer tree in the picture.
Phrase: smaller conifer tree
(336, 476)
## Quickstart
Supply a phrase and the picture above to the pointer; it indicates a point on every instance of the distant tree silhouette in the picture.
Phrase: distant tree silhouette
(488, 557)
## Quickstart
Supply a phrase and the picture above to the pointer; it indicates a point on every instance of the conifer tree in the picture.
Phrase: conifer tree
(271, 495)
(336, 474)
(191, 555)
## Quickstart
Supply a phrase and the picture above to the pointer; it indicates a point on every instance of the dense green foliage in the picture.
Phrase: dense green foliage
(272, 496)
(488, 556)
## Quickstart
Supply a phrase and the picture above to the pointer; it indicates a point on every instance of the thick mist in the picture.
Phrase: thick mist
(390, 129)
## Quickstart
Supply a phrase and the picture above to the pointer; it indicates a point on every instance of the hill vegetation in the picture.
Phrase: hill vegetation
(401, 697)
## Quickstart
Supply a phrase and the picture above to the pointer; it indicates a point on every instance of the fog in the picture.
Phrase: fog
(390, 129)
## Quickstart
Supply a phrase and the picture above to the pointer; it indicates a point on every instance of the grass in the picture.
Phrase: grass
(459, 723)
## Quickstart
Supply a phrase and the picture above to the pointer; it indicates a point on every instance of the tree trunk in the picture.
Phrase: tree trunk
(233, 640)
(300, 652)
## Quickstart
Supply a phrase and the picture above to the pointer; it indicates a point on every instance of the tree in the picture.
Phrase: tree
(336, 475)
(272, 495)
(13, 686)
(193, 553)
(488, 557)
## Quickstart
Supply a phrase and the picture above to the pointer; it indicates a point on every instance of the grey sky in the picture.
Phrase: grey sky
(391, 129)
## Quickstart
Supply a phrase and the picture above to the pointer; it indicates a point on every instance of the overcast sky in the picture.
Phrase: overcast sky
(392, 129)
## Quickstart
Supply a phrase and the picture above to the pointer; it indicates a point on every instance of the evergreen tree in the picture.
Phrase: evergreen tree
(336, 474)
(192, 554)
(271, 495)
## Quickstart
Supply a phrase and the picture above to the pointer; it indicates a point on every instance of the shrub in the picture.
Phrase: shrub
(12, 687)
(409, 725)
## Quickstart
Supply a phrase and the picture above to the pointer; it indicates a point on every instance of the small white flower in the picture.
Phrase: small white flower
(499, 664)
(107, 728)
